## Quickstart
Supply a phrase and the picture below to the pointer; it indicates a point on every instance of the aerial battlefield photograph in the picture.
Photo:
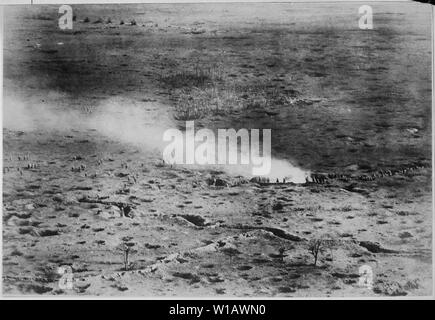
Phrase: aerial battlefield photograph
(252, 150)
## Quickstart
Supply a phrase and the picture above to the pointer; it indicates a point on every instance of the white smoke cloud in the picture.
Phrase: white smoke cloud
(122, 119)
(119, 119)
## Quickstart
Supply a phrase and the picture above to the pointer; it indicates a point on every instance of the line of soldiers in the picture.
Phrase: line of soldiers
(265, 180)
(29, 166)
(323, 178)
(32, 166)
(80, 168)
(260, 180)
(23, 158)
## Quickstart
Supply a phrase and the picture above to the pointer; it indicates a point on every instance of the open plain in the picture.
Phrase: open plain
(84, 184)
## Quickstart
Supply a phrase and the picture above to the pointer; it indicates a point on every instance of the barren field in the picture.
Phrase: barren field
(84, 184)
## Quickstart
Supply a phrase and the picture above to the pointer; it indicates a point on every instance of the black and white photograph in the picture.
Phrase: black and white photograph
(217, 150)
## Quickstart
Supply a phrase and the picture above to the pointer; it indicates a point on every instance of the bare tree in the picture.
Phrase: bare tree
(127, 249)
(231, 252)
(320, 245)
(282, 254)
(315, 247)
